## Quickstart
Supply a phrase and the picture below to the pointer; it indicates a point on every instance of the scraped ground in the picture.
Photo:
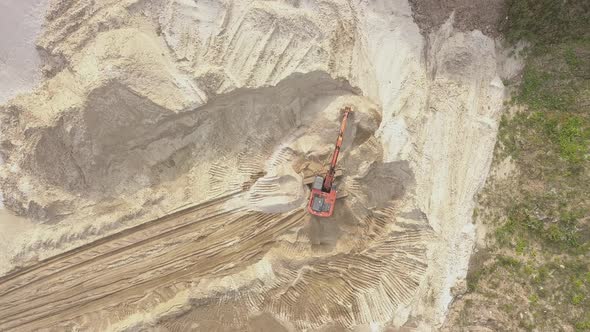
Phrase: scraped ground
(162, 161)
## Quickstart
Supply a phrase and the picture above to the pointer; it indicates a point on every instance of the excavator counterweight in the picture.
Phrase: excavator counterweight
(323, 194)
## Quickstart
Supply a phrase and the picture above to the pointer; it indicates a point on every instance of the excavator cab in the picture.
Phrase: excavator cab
(321, 203)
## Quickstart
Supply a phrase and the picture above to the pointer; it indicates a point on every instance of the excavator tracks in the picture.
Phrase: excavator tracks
(137, 268)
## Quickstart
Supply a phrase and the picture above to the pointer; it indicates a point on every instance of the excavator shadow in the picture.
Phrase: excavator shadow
(323, 233)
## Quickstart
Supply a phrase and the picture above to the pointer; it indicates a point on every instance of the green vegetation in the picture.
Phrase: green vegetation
(540, 225)
(546, 21)
(583, 325)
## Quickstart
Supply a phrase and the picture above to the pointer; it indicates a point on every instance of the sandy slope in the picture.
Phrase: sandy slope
(152, 105)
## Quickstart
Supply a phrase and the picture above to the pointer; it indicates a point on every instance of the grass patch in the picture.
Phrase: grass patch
(546, 21)
(557, 231)
(577, 299)
(583, 325)
(572, 59)
(540, 222)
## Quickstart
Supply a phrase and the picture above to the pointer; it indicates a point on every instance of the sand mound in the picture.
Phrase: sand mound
(151, 106)
(119, 142)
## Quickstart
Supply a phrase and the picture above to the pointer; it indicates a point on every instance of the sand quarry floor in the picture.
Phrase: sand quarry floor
(156, 151)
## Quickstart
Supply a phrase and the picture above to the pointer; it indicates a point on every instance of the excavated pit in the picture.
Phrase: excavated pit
(148, 108)
(263, 141)
(121, 142)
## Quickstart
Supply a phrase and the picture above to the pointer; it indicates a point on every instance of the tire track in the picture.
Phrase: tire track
(153, 225)
(200, 242)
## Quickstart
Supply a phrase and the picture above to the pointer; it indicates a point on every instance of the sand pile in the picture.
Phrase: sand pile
(149, 106)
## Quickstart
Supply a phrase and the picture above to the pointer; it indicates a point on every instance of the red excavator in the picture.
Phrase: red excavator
(323, 194)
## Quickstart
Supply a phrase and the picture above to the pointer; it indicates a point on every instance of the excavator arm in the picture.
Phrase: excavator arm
(329, 179)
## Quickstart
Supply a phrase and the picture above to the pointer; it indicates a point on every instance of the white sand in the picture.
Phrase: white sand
(20, 23)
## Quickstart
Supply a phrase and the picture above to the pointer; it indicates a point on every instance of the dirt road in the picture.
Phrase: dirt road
(137, 268)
